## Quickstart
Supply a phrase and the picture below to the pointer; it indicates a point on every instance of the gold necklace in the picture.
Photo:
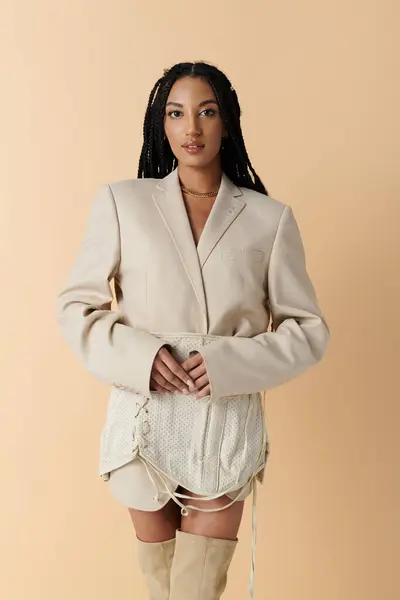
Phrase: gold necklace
(199, 195)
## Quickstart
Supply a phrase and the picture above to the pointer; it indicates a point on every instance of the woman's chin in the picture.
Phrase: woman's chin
(196, 160)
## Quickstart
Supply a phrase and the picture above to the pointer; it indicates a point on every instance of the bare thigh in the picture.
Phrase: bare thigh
(161, 525)
(156, 526)
(222, 524)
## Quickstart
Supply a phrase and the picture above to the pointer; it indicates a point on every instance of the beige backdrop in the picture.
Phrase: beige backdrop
(318, 83)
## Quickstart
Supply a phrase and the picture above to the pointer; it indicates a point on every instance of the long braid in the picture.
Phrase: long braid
(146, 126)
(243, 167)
(156, 157)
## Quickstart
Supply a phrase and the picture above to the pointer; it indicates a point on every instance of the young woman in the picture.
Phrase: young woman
(214, 306)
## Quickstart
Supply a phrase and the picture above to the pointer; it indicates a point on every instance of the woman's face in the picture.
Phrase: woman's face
(192, 123)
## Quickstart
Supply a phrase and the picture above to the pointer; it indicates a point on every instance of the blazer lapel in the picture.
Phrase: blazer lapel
(227, 206)
(169, 201)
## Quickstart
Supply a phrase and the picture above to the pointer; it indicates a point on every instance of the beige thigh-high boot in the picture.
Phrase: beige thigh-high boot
(155, 560)
(200, 566)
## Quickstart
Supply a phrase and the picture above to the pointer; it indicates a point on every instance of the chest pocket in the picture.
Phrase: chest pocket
(239, 274)
(247, 255)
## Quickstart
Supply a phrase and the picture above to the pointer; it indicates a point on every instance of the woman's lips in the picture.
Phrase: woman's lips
(193, 148)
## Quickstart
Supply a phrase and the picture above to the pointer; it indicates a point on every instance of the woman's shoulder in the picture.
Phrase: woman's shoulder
(263, 205)
(132, 192)
(133, 184)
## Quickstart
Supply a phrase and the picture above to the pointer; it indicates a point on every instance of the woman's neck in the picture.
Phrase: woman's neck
(200, 180)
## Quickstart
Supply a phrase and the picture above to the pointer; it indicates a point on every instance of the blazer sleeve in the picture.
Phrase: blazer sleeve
(116, 353)
(299, 336)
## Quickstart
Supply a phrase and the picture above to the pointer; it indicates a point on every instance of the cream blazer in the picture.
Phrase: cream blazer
(246, 281)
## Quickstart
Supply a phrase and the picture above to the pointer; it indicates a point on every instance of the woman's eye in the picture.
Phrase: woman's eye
(174, 113)
(209, 112)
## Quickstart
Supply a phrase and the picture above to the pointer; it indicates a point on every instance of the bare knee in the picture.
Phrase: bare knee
(220, 524)
(156, 526)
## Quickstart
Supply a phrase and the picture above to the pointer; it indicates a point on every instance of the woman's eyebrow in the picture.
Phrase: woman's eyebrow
(211, 101)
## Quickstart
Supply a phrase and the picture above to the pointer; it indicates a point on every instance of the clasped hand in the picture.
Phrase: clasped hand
(189, 377)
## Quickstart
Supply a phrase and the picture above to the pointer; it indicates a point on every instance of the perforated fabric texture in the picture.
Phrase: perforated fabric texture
(208, 446)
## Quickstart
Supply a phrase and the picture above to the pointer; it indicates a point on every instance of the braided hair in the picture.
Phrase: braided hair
(157, 159)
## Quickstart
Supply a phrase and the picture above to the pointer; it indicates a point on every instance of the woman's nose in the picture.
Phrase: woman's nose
(193, 127)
